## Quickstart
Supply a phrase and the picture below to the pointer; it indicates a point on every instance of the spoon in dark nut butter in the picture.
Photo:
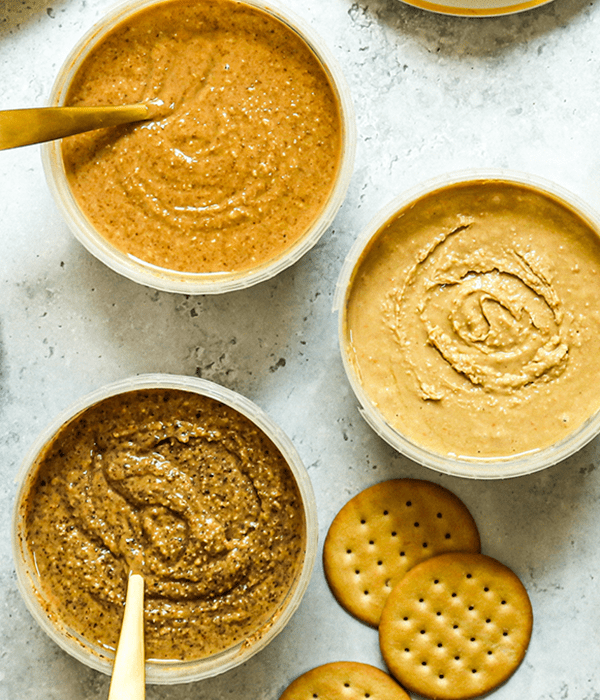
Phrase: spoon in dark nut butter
(128, 676)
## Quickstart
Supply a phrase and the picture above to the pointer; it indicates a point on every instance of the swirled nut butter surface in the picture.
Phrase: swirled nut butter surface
(244, 152)
(473, 323)
(183, 489)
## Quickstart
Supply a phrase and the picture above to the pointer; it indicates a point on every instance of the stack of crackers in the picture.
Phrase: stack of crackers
(404, 556)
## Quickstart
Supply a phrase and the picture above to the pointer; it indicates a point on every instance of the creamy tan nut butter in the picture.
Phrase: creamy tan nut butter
(245, 150)
(472, 320)
(181, 488)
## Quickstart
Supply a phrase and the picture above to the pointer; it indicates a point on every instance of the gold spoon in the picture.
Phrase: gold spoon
(128, 677)
(22, 127)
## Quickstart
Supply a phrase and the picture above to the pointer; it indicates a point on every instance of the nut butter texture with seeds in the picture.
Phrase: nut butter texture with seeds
(183, 488)
(243, 156)
(472, 320)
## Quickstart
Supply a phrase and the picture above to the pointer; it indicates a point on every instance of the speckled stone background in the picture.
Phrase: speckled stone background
(432, 94)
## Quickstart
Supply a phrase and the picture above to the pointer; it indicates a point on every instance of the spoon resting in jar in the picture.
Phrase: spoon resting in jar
(22, 127)
(128, 676)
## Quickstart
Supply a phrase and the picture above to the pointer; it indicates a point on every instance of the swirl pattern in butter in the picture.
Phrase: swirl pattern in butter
(494, 318)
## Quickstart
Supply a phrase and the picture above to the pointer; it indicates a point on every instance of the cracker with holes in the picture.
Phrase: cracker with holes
(383, 532)
(456, 626)
(345, 679)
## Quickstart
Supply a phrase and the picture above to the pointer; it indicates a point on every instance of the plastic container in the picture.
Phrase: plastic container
(204, 282)
(159, 671)
(488, 468)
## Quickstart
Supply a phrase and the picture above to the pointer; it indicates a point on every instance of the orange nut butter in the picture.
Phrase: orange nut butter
(186, 491)
(472, 320)
(242, 156)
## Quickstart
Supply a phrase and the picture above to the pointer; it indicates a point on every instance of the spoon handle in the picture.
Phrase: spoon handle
(128, 676)
(21, 127)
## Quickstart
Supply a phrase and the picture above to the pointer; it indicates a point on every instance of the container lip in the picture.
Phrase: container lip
(157, 671)
(209, 282)
(482, 469)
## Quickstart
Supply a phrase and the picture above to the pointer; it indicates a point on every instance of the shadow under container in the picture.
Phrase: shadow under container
(466, 464)
(203, 282)
(159, 671)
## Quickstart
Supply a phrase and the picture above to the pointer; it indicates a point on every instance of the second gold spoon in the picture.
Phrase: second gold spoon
(22, 127)
(128, 676)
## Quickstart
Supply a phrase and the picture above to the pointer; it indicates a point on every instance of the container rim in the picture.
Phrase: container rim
(158, 671)
(466, 467)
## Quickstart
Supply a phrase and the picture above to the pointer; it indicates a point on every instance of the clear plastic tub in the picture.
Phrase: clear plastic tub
(469, 467)
(163, 672)
(204, 282)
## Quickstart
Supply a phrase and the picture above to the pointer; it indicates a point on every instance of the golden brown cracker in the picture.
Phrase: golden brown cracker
(344, 679)
(456, 626)
(383, 532)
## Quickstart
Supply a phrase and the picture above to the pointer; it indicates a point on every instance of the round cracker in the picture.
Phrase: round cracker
(345, 679)
(456, 626)
(383, 532)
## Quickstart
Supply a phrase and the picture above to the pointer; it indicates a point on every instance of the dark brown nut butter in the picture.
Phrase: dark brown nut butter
(182, 488)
